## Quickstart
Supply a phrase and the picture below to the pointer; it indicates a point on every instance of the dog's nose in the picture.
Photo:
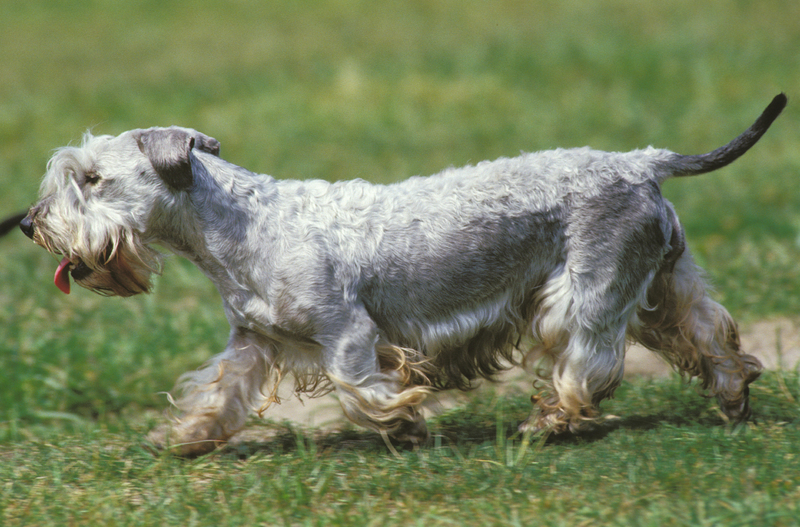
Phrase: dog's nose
(26, 225)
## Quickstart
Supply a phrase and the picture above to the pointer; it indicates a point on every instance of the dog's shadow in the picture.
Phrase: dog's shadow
(283, 438)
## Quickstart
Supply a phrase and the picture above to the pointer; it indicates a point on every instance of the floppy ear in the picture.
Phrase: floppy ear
(170, 150)
(206, 143)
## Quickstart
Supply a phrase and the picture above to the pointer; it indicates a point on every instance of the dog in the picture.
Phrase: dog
(387, 293)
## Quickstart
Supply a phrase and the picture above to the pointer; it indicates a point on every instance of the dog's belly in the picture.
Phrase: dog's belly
(442, 288)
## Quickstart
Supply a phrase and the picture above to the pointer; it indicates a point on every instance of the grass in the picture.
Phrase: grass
(655, 466)
(382, 90)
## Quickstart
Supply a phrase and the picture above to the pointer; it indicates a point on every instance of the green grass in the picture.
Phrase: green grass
(382, 90)
(666, 462)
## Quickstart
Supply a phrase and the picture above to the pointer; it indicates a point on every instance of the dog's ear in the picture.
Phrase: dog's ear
(169, 151)
(206, 143)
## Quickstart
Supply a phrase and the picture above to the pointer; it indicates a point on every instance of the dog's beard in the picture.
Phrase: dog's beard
(117, 271)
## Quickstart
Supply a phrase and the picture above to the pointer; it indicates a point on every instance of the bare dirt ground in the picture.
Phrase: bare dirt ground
(775, 342)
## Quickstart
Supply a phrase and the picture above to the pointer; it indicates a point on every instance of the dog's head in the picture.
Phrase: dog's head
(101, 205)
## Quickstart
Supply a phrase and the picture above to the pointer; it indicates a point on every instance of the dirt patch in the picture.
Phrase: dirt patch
(775, 342)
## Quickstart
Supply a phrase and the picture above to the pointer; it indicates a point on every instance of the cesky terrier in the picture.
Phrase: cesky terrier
(386, 293)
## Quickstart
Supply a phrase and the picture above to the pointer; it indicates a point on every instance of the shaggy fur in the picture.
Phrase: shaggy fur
(387, 293)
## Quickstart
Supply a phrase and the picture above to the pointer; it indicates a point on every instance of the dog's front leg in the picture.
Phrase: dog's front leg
(216, 399)
(374, 393)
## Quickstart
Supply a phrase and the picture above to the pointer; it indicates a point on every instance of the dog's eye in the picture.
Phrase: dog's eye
(92, 177)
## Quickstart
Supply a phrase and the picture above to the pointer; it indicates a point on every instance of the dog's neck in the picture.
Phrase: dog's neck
(222, 243)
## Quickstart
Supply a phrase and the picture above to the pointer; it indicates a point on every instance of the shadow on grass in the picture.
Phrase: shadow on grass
(488, 419)
(284, 438)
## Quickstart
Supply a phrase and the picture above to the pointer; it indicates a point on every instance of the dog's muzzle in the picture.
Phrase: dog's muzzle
(66, 267)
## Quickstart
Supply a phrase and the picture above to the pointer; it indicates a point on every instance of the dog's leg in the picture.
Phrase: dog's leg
(374, 394)
(584, 308)
(697, 336)
(216, 399)
(586, 347)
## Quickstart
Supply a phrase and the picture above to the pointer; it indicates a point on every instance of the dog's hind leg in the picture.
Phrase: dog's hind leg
(697, 336)
(587, 356)
(372, 388)
(216, 399)
(616, 244)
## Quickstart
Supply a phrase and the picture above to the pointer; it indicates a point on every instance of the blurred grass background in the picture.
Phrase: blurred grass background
(384, 90)
(379, 90)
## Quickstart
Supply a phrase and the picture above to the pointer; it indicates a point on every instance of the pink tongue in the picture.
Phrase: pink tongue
(62, 276)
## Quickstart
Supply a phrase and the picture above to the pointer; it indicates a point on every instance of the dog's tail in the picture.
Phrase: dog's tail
(679, 165)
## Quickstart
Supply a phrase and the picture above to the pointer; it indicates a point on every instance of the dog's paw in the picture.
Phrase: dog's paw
(176, 440)
(414, 432)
